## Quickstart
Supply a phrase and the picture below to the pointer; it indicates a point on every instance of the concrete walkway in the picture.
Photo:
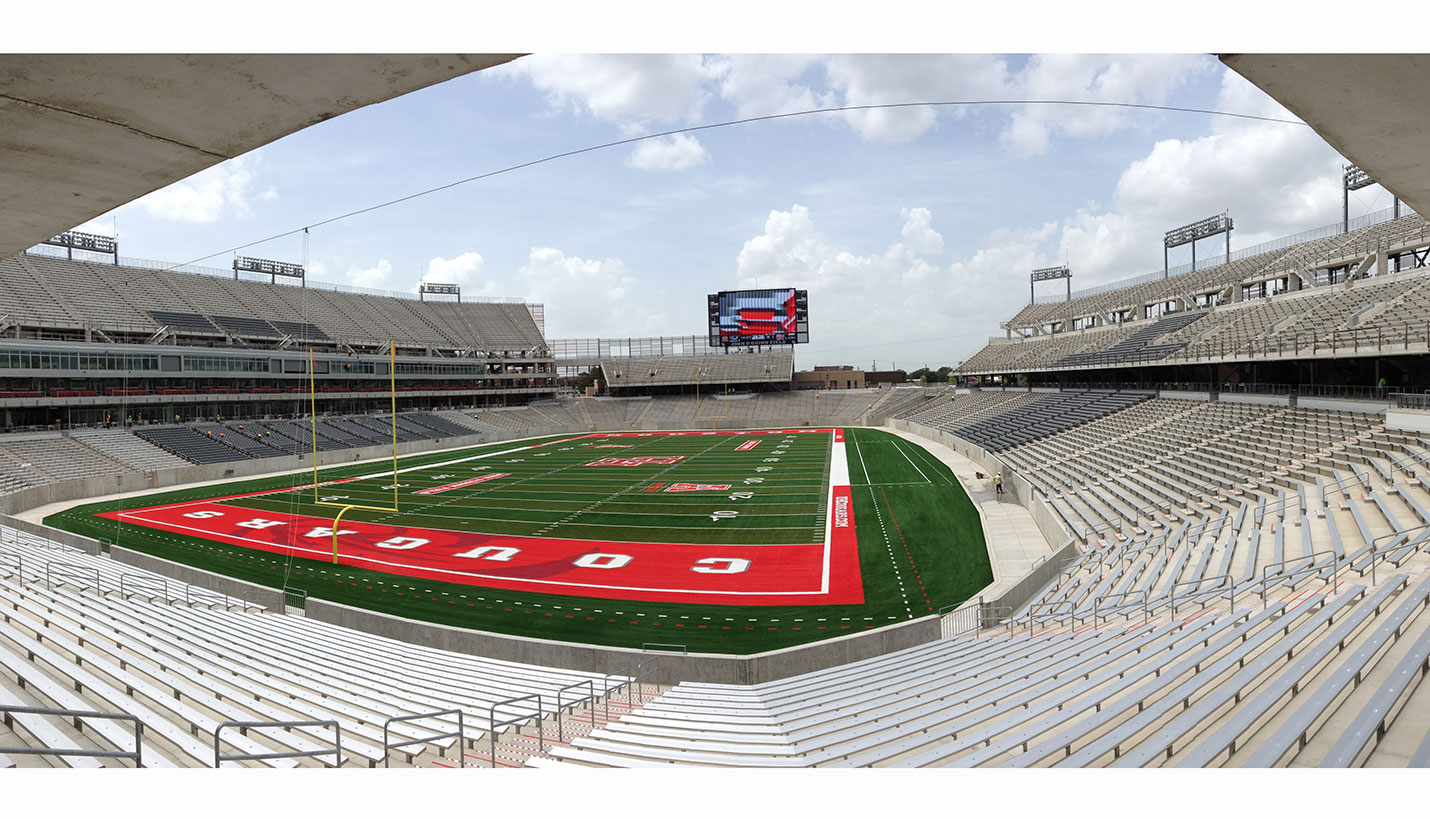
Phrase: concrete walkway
(1015, 543)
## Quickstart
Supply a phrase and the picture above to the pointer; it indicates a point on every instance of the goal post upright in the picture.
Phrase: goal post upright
(344, 508)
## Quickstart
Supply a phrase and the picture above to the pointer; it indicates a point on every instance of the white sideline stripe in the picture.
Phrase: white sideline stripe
(838, 476)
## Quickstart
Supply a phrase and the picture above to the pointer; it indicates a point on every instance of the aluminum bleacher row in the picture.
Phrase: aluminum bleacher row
(1023, 418)
(235, 441)
(54, 293)
(1215, 278)
(83, 633)
(711, 370)
(1328, 678)
(703, 411)
(34, 459)
(1394, 305)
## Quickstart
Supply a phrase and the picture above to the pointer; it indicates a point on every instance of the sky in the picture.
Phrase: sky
(914, 229)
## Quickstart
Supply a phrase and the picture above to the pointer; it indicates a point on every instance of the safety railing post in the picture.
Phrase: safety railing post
(460, 734)
(75, 717)
(493, 725)
(560, 730)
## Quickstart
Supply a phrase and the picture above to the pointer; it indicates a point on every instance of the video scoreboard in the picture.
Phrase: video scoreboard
(746, 318)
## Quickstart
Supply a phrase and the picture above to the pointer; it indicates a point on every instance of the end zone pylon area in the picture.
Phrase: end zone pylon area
(313, 417)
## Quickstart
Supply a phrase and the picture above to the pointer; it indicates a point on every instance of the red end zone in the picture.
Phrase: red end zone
(769, 575)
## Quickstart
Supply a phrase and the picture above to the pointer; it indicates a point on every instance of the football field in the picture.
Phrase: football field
(728, 541)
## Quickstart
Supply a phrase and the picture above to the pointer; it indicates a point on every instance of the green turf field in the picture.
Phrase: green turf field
(919, 538)
(551, 492)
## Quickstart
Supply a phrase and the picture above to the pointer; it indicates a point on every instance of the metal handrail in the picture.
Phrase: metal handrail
(301, 594)
(459, 734)
(591, 698)
(623, 671)
(1311, 569)
(1072, 608)
(135, 754)
(1376, 552)
(161, 582)
(243, 726)
(1146, 614)
(74, 570)
(635, 680)
(658, 646)
(1230, 584)
(205, 595)
(493, 725)
(19, 562)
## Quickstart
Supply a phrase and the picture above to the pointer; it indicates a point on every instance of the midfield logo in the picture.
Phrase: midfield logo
(697, 487)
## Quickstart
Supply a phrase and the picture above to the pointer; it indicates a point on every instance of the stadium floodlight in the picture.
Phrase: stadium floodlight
(1189, 234)
(439, 290)
(1353, 179)
(71, 240)
(1046, 274)
(270, 268)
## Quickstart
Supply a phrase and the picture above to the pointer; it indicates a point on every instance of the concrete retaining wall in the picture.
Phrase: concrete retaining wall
(673, 667)
(1408, 419)
(1343, 404)
(1185, 396)
(86, 544)
(1247, 398)
(1024, 589)
(242, 590)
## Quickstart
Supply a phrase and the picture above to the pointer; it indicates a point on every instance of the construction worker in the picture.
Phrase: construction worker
(998, 483)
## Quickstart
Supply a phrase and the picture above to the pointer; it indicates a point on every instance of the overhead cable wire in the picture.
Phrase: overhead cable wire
(728, 123)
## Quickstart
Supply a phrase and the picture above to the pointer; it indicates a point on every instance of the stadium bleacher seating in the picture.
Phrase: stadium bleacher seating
(1392, 304)
(49, 292)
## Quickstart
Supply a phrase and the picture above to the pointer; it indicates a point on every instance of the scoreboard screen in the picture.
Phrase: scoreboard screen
(752, 317)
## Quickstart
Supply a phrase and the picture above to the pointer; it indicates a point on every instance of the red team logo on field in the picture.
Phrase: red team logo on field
(697, 487)
(437, 490)
(748, 445)
(641, 460)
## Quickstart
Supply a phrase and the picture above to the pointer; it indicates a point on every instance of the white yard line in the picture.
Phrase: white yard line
(911, 461)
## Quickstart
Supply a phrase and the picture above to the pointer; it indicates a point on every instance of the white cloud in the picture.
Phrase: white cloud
(892, 295)
(627, 89)
(918, 233)
(676, 152)
(1147, 79)
(105, 228)
(222, 190)
(467, 270)
(375, 277)
(587, 298)
(870, 79)
(1275, 179)
(764, 84)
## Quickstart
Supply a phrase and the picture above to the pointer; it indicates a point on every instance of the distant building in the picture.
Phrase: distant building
(884, 378)
(843, 377)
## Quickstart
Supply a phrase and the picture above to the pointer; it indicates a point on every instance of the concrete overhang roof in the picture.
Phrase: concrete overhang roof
(83, 134)
(1372, 108)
